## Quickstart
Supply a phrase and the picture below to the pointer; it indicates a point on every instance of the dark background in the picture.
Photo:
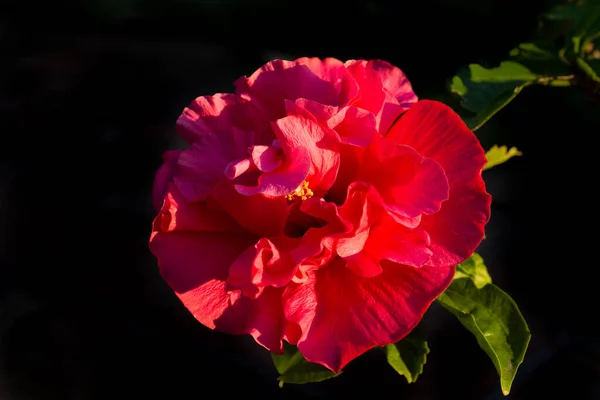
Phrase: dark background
(89, 93)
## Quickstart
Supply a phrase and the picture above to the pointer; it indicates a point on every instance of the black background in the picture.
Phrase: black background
(89, 93)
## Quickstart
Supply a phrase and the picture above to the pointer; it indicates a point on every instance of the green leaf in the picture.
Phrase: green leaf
(473, 268)
(540, 57)
(293, 368)
(585, 24)
(568, 11)
(495, 320)
(499, 154)
(588, 68)
(408, 356)
(486, 91)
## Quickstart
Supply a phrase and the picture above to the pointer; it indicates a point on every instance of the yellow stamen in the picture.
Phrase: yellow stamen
(302, 192)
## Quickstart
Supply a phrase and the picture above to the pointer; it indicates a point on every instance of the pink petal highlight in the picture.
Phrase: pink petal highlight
(236, 169)
(281, 80)
(354, 125)
(200, 168)
(320, 111)
(295, 132)
(285, 179)
(217, 116)
(334, 71)
(266, 158)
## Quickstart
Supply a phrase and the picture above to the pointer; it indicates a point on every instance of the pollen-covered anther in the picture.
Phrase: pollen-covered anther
(302, 192)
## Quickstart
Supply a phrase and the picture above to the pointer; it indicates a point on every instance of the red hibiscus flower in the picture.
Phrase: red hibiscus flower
(321, 204)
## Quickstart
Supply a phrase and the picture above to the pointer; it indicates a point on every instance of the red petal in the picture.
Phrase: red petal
(261, 215)
(394, 82)
(178, 215)
(196, 265)
(266, 323)
(394, 242)
(458, 228)
(334, 71)
(354, 125)
(371, 95)
(200, 168)
(163, 177)
(342, 315)
(388, 115)
(435, 131)
(280, 80)
(315, 240)
(264, 264)
(399, 95)
(237, 168)
(217, 115)
(409, 183)
(266, 158)
(375, 235)
(295, 131)
(320, 111)
(350, 166)
(220, 129)
(283, 180)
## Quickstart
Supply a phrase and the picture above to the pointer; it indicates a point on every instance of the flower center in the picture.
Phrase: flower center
(302, 192)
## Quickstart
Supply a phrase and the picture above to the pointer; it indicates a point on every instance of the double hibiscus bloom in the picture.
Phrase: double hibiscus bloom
(321, 204)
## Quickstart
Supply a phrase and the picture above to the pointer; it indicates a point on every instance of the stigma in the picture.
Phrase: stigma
(302, 192)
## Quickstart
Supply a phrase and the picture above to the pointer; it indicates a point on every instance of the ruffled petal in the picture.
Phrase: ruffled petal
(342, 315)
(283, 180)
(437, 132)
(371, 95)
(409, 183)
(320, 111)
(200, 168)
(299, 131)
(266, 158)
(375, 236)
(267, 324)
(334, 71)
(354, 125)
(280, 80)
(196, 266)
(217, 116)
(177, 215)
(221, 129)
(163, 177)
(267, 263)
(261, 215)
(395, 83)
